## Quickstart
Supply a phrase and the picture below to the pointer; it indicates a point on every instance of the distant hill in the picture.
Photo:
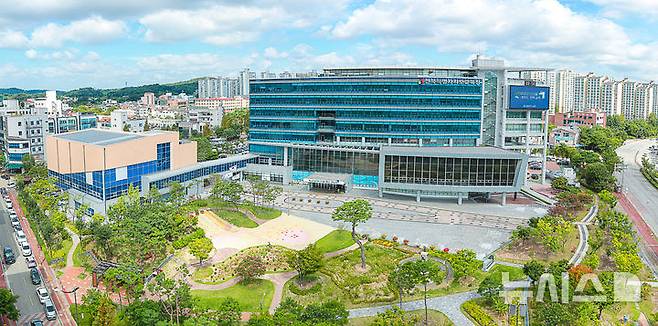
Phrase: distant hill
(15, 91)
(88, 94)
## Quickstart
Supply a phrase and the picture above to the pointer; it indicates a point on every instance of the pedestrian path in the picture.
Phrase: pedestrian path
(450, 305)
(583, 235)
(75, 239)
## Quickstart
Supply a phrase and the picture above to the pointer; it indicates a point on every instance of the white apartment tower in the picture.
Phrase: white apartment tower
(643, 100)
(611, 97)
(208, 87)
(628, 98)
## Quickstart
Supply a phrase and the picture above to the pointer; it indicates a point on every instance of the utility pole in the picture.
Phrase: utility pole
(75, 300)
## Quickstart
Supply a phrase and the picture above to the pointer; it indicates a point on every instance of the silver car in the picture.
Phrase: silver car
(31, 262)
(49, 308)
(43, 295)
(25, 248)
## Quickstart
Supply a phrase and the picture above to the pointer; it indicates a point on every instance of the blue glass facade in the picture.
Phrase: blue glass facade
(201, 172)
(360, 111)
(115, 181)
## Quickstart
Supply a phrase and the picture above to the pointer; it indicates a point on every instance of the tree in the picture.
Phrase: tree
(227, 190)
(552, 232)
(490, 288)
(597, 177)
(534, 270)
(271, 194)
(394, 317)
(427, 271)
(250, 268)
(403, 278)
(201, 248)
(177, 193)
(227, 313)
(174, 295)
(626, 261)
(143, 313)
(330, 312)
(205, 149)
(560, 183)
(126, 127)
(464, 262)
(306, 261)
(253, 180)
(607, 197)
(8, 304)
(105, 316)
(355, 212)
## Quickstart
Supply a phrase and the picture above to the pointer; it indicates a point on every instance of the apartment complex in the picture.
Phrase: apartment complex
(227, 104)
(420, 132)
(572, 92)
(213, 87)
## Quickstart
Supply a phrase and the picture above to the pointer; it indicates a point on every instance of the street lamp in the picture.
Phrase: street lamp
(75, 300)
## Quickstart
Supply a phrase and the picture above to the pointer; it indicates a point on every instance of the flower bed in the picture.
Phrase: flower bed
(274, 258)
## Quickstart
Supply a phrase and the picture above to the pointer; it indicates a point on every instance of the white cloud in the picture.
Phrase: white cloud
(517, 30)
(12, 39)
(31, 54)
(94, 29)
(273, 53)
(618, 8)
(236, 22)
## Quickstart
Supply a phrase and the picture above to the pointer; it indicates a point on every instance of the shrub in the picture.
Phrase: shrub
(478, 314)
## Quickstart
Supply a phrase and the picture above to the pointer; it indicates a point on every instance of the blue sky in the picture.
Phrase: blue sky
(65, 44)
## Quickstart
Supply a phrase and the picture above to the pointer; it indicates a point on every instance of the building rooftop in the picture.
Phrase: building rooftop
(98, 136)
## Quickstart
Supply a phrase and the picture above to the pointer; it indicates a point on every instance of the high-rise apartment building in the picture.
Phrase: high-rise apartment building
(208, 87)
(611, 97)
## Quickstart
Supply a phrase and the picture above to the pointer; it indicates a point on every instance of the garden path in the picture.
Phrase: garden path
(279, 280)
(75, 239)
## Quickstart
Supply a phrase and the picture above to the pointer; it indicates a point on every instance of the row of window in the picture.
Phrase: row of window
(335, 161)
(369, 87)
(402, 114)
(399, 101)
(450, 171)
(201, 172)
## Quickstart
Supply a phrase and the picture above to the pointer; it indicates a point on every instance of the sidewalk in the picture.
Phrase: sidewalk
(61, 301)
(3, 284)
(642, 227)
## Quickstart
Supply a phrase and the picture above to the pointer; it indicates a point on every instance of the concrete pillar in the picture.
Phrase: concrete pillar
(459, 198)
(418, 196)
(285, 156)
(503, 200)
(381, 193)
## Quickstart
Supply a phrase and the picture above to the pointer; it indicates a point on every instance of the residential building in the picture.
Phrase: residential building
(20, 135)
(229, 104)
(588, 118)
(123, 120)
(569, 136)
(392, 123)
(50, 103)
(644, 101)
(243, 81)
(97, 166)
(208, 87)
(148, 100)
(627, 105)
(200, 117)
(611, 97)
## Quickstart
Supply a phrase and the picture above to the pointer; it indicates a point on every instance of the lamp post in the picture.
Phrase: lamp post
(75, 299)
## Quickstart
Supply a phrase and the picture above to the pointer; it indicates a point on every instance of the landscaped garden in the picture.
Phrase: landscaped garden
(236, 218)
(273, 258)
(334, 241)
(241, 214)
(435, 318)
(253, 296)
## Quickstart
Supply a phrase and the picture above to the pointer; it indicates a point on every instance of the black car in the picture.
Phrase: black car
(36, 322)
(8, 256)
(34, 275)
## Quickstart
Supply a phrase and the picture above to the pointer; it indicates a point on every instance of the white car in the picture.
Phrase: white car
(20, 236)
(25, 248)
(31, 262)
(9, 204)
(49, 308)
(12, 214)
(11, 184)
(15, 223)
(43, 295)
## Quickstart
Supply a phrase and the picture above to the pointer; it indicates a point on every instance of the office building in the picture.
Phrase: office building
(97, 166)
(420, 132)
(588, 118)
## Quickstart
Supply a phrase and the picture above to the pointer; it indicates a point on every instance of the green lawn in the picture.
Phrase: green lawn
(263, 213)
(436, 318)
(235, 218)
(335, 240)
(253, 297)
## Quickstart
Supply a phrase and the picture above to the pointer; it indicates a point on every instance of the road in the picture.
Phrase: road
(636, 188)
(18, 275)
(638, 199)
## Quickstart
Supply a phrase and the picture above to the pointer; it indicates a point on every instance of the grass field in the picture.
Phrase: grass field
(263, 213)
(255, 296)
(436, 318)
(335, 240)
(235, 218)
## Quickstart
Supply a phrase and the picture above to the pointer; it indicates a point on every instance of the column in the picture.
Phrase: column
(285, 156)
(503, 200)
(459, 198)
(418, 196)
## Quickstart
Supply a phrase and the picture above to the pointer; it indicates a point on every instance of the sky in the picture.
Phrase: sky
(67, 44)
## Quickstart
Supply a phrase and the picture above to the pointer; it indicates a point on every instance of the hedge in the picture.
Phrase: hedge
(477, 314)
(647, 175)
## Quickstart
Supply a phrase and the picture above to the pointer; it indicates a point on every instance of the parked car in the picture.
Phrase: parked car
(20, 236)
(11, 184)
(9, 204)
(25, 249)
(31, 262)
(43, 295)
(34, 276)
(15, 223)
(5, 176)
(8, 256)
(49, 307)
(36, 322)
